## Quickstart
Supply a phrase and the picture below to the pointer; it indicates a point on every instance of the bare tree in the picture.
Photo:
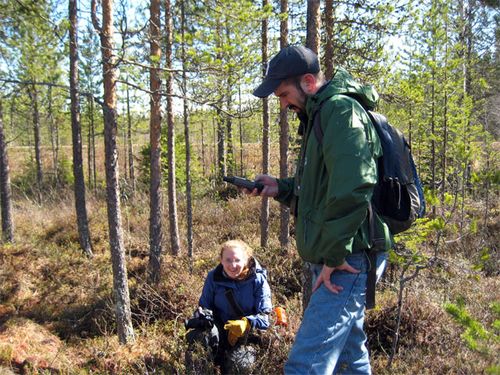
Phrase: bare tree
(5, 190)
(120, 285)
(155, 198)
(172, 191)
(76, 133)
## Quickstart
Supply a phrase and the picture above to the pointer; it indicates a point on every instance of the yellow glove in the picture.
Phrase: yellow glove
(236, 328)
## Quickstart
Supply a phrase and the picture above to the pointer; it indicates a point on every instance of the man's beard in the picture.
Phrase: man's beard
(302, 101)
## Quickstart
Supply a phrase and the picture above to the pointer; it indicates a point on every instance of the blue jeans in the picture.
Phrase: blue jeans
(331, 339)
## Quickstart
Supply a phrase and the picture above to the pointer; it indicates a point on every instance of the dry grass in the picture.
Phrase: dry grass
(56, 311)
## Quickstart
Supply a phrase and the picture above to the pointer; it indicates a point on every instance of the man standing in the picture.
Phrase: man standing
(330, 196)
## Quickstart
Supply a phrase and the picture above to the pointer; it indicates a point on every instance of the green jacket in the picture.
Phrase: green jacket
(334, 180)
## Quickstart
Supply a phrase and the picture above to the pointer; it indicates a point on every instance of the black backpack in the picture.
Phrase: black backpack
(398, 197)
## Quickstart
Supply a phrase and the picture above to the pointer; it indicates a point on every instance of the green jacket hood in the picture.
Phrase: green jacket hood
(343, 83)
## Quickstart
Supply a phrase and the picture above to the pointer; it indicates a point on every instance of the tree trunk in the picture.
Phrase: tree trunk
(231, 162)
(329, 58)
(189, 208)
(203, 157)
(5, 191)
(155, 198)
(89, 150)
(284, 143)
(221, 149)
(172, 191)
(221, 142)
(36, 130)
(131, 171)
(54, 136)
(312, 42)
(76, 133)
(92, 126)
(313, 25)
(120, 284)
(445, 122)
(240, 127)
(229, 129)
(264, 210)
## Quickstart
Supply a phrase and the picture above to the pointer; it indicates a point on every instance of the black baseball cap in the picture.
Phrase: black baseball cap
(290, 62)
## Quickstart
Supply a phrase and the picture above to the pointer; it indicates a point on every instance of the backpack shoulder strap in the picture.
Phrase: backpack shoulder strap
(232, 302)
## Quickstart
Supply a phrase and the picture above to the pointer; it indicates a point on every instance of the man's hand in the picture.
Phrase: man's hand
(326, 272)
(270, 186)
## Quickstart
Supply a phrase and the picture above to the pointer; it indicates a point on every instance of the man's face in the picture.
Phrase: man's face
(291, 96)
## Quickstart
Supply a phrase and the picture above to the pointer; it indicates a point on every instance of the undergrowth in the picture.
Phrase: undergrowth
(56, 307)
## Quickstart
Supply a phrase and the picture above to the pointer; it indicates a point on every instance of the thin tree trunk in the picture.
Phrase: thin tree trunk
(466, 40)
(221, 142)
(433, 131)
(203, 150)
(284, 143)
(155, 228)
(131, 171)
(264, 210)
(76, 133)
(125, 153)
(54, 131)
(215, 148)
(229, 130)
(172, 190)
(5, 190)
(120, 284)
(221, 149)
(189, 208)
(240, 127)
(92, 123)
(89, 152)
(445, 123)
(229, 124)
(36, 131)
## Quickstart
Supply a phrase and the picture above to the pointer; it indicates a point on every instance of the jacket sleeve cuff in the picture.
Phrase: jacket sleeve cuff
(334, 262)
(285, 190)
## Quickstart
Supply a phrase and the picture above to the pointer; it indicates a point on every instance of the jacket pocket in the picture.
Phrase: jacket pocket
(308, 236)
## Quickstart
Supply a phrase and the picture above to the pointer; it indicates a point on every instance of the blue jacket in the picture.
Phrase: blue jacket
(253, 295)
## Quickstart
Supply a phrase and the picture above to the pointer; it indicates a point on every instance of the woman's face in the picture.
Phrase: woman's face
(233, 261)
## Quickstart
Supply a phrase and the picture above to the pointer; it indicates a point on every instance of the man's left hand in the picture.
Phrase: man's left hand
(326, 272)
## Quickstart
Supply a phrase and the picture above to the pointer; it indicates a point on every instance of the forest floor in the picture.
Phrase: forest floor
(56, 311)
